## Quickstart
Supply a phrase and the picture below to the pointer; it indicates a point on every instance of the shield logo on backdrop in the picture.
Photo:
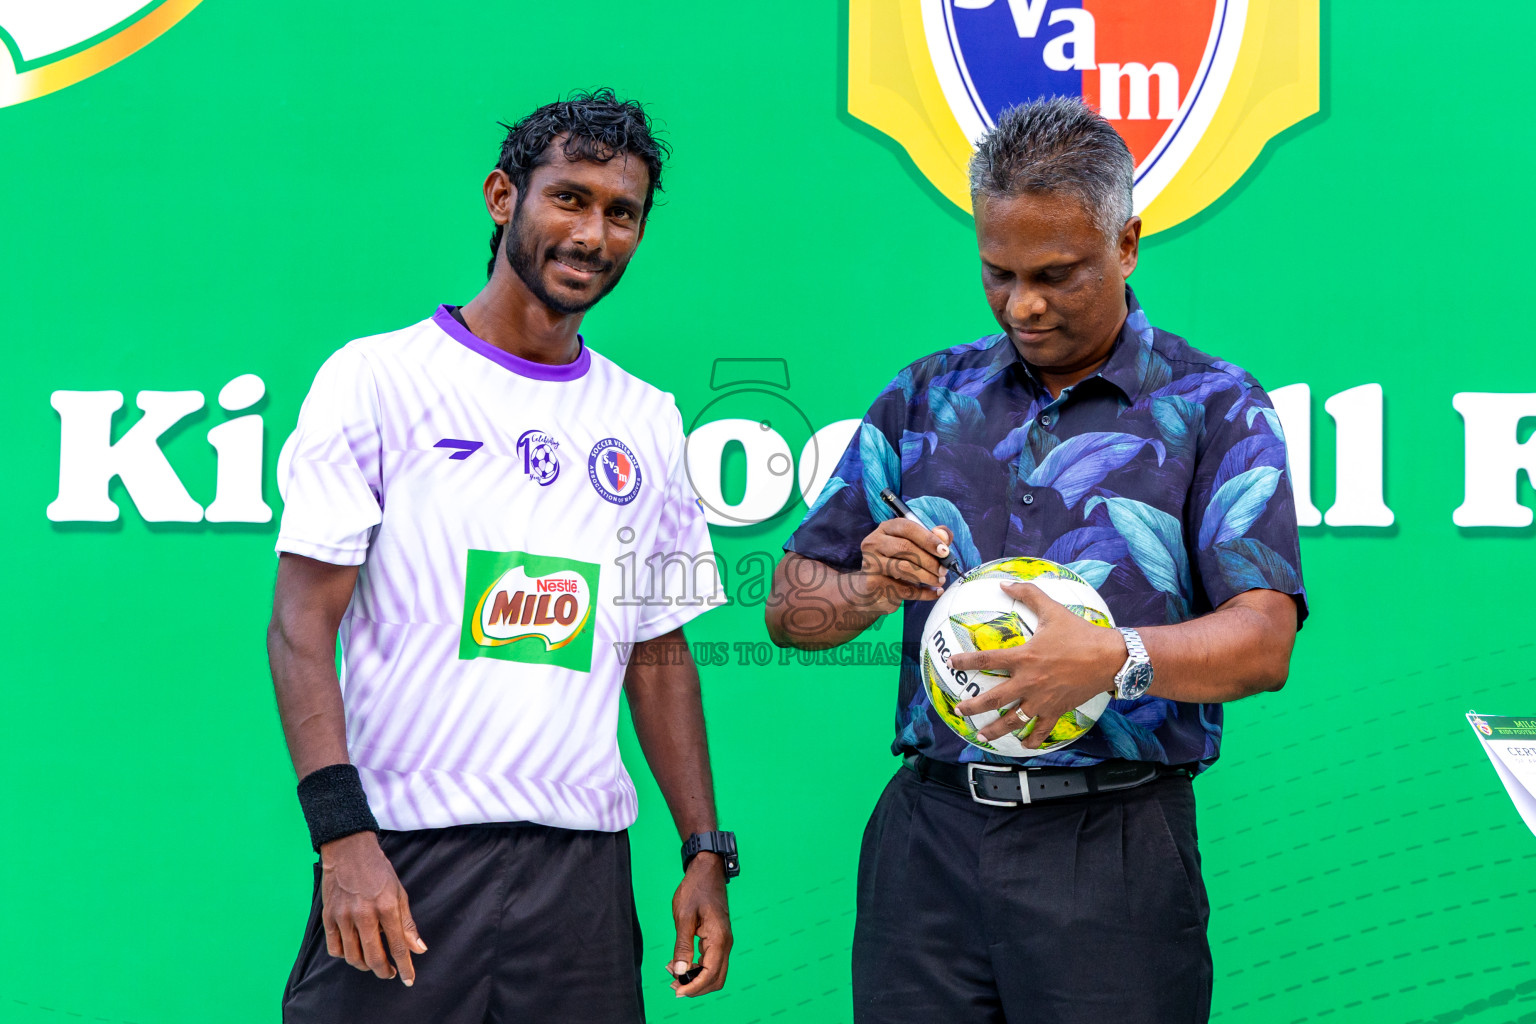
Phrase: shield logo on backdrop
(53, 45)
(1196, 88)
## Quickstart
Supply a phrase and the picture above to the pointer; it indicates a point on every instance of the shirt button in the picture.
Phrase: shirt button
(1029, 499)
(1046, 419)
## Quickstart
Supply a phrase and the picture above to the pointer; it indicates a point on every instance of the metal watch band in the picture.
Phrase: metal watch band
(1133, 645)
(1129, 682)
(722, 843)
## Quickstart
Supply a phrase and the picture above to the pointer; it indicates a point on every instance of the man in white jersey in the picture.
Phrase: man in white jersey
(462, 500)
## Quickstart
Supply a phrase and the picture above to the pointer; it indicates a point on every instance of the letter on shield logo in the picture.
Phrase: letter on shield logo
(1195, 88)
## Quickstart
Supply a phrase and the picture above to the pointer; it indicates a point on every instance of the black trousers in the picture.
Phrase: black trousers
(523, 923)
(1081, 911)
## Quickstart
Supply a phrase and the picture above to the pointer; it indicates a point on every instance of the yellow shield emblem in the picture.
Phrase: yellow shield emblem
(1195, 88)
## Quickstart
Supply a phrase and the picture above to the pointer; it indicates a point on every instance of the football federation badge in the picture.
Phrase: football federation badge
(54, 45)
(1195, 88)
(539, 459)
(614, 471)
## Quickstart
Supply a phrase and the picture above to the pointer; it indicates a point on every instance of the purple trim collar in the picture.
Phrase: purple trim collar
(517, 364)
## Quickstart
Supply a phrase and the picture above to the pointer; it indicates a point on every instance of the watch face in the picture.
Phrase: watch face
(1137, 681)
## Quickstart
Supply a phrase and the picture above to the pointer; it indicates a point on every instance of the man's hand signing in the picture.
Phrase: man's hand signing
(1065, 663)
(901, 563)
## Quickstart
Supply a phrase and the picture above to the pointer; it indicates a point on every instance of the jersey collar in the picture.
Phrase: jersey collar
(517, 364)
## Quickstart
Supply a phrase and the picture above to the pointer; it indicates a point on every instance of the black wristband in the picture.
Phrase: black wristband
(334, 804)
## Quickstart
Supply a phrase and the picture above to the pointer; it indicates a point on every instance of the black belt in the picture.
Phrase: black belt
(1001, 785)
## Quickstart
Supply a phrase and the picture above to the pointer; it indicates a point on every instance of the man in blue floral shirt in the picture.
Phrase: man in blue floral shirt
(1065, 887)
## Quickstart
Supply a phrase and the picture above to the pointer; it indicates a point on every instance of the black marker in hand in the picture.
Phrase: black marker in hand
(896, 505)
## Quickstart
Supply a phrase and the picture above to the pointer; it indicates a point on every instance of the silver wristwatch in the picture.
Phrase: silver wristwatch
(1135, 677)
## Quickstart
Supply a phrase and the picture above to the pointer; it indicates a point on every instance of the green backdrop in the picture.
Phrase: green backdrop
(268, 181)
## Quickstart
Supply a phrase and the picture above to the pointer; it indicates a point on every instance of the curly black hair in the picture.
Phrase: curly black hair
(597, 126)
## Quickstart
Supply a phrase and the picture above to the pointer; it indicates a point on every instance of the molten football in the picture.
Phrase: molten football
(975, 614)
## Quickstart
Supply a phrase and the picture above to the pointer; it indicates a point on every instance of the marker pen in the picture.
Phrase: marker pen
(896, 505)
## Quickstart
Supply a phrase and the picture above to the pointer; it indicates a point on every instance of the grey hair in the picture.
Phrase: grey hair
(1058, 146)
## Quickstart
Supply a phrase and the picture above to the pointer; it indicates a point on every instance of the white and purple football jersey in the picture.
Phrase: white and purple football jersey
(519, 527)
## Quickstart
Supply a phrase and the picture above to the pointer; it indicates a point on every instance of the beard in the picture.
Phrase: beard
(524, 258)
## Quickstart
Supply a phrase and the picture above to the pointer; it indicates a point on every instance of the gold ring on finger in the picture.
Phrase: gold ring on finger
(1021, 715)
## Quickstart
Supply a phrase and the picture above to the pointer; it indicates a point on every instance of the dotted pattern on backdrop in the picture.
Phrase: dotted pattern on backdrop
(59, 1014)
(1286, 927)
(834, 913)
(1271, 925)
(1419, 876)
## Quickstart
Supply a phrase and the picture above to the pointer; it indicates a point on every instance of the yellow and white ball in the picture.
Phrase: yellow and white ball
(975, 614)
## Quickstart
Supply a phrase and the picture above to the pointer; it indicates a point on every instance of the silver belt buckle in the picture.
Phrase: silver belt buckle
(975, 794)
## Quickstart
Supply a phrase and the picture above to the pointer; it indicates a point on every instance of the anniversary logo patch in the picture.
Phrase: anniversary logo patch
(1195, 88)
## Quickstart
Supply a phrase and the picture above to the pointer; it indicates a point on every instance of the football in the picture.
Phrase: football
(543, 463)
(975, 614)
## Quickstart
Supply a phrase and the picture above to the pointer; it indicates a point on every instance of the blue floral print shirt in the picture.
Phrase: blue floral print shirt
(1161, 480)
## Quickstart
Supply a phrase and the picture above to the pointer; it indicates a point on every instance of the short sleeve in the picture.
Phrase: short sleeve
(331, 485)
(1242, 530)
(685, 578)
(848, 507)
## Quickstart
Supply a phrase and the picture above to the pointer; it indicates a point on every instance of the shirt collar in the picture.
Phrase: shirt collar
(1127, 361)
(573, 370)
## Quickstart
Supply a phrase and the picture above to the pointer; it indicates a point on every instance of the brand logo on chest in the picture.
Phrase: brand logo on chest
(528, 608)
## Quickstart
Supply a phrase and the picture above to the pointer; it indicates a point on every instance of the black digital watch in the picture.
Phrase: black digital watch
(722, 843)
